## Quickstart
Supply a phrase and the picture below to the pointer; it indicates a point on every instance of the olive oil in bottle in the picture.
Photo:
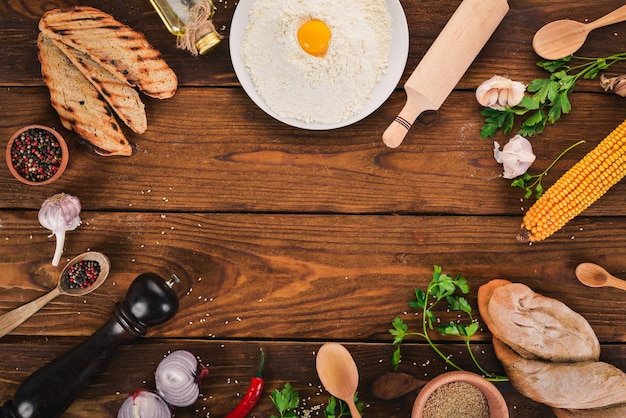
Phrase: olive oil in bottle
(191, 21)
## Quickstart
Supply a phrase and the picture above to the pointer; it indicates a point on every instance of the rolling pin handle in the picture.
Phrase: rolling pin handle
(417, 108)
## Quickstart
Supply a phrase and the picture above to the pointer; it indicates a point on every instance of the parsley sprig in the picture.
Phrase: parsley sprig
(532, 183)
(287, 401)
(442, 288)
(550, 96)
(339, 409)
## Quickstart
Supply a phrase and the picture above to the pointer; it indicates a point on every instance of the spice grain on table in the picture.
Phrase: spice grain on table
(285, 238)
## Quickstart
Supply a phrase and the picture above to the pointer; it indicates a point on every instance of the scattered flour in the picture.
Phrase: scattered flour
(327, 89)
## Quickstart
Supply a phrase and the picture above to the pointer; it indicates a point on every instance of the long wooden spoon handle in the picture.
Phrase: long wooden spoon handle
(11, 320)
(353, 410)
(615, 282)
(616, 16)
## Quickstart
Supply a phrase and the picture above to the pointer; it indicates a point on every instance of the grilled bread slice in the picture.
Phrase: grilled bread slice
(118, 48)
(79, 105)
(123, 98)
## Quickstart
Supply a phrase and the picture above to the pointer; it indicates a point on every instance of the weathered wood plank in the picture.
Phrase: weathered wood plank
(234, 158)
(302, 277)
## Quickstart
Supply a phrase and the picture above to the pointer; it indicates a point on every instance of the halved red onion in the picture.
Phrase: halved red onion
(178, 378)
(144, 404)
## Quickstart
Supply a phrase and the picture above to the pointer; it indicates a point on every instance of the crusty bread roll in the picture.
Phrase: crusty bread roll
(579, 385)
(537, 326)
(122, 98)
(78, 103)
(121, 50)
(484, 295)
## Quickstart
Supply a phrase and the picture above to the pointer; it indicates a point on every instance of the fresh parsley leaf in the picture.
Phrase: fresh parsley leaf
(329, 412)
(399, 330)
(286, 400)
(396, 358)
(459, 303)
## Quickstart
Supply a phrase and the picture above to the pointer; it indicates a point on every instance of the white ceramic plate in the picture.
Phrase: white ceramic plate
(397, 61)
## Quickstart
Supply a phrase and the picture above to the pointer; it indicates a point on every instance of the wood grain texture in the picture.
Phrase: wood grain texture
(286, 238)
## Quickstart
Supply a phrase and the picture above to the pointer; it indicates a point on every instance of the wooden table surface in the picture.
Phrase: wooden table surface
(287, 238)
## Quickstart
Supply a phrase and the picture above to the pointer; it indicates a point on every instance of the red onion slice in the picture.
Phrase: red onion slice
(144, 404)
(178, 378)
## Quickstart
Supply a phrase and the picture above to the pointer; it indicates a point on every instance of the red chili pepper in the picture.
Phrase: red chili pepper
(253, 394)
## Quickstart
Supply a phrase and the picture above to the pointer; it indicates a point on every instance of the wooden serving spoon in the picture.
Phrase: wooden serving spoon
(339, 375)
(593, 275)
(12, 319)
(394, 385)
(561, 38)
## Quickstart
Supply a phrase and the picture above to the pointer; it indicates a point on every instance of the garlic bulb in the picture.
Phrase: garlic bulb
(500, 92)
(144, 404)
(60, 213)
(516, 156)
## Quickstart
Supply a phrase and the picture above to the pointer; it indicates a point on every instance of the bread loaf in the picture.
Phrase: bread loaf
(119, 49)
(78, 103)
(579, 385)
(550, 353)
(536, 326)
(122, 98)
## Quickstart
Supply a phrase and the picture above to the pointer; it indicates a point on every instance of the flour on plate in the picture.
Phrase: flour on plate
(327, 89)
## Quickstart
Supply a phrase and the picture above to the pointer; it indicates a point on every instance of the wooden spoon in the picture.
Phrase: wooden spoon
(11, 320)
(561, 38)
(593, 275)
(394, 385)
(339, 375)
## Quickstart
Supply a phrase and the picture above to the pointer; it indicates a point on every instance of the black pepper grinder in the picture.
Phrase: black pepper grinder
(50, 390)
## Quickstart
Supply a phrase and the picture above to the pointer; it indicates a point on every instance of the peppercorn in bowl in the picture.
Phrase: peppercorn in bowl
(37, 155)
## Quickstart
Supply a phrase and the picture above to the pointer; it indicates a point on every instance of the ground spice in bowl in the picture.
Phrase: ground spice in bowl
(457, 399)
(81, 274)
(37, 155)
(460, 394)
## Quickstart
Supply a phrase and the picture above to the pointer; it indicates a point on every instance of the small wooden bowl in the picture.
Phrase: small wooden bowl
(62, 164)
(495, 400)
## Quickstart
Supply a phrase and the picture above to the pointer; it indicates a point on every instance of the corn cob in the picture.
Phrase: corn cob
(584, 183)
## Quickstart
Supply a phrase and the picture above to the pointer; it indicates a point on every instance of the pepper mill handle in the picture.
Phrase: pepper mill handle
(50, 390)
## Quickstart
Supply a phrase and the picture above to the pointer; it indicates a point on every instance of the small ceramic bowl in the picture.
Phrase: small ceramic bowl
(495, 400)
(37, 155)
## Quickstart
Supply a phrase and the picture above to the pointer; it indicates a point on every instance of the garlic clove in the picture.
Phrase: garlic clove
(516, 156)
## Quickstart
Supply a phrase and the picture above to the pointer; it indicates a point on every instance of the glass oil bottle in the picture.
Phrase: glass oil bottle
(191, 22)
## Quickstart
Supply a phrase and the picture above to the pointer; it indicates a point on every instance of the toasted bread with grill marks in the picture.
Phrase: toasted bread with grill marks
(123, 98)
(121, 50)
(79, 105)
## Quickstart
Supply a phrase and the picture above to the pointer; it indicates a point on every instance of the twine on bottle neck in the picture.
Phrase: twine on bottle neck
(200, 24)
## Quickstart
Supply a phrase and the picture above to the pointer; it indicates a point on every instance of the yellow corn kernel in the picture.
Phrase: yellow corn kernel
(584, 183)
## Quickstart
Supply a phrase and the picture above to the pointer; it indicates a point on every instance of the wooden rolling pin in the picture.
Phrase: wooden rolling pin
(445, 62)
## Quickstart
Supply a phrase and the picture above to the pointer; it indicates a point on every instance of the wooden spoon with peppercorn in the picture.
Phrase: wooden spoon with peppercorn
(83, 274)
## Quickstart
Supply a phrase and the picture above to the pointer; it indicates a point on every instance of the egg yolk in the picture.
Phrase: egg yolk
(313, 37)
